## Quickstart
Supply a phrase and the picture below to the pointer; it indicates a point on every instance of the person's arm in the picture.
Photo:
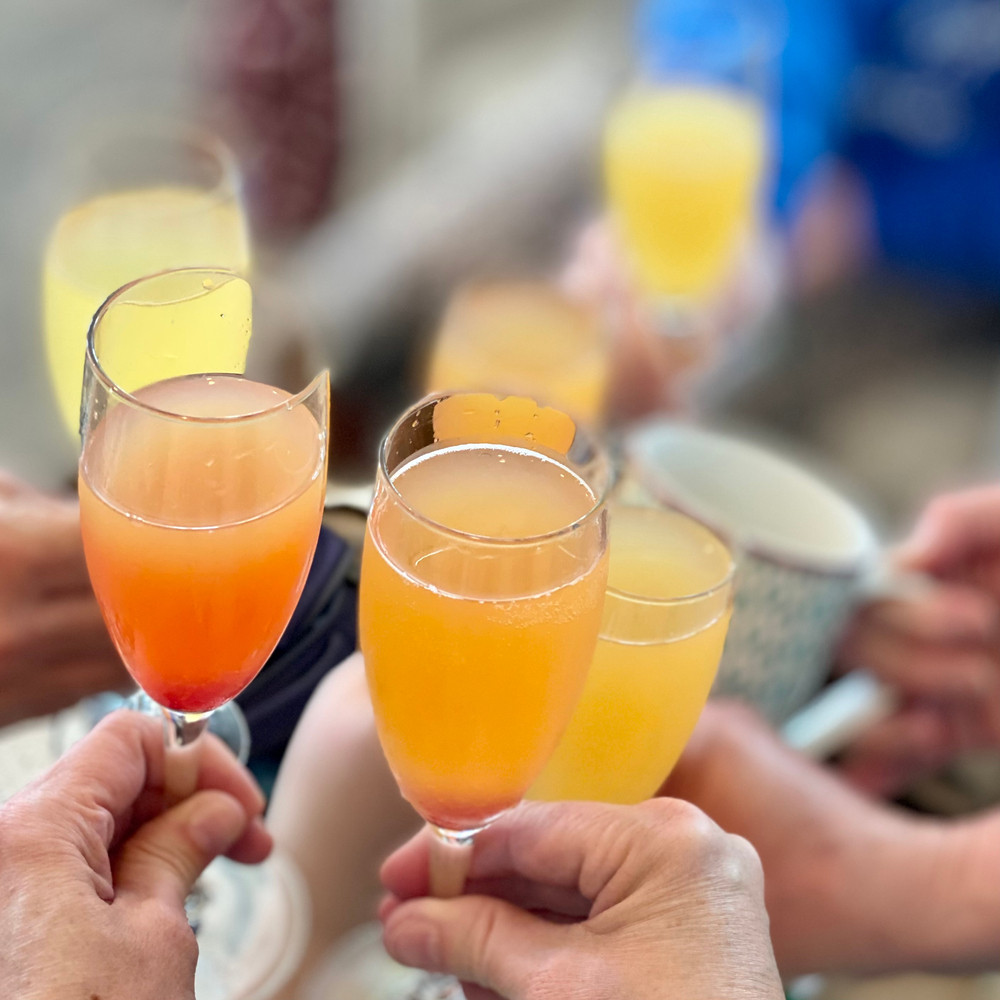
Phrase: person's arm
(960, 929)
(95, 872)
(851, 886)
(336, 809)
(584, 901)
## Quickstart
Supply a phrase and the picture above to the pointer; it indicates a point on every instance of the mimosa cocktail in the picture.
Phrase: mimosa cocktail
(682, 166)
(134, 229)
(199, 537)
(481, 590)
(526, 338)
(201, 494)
(664, 625)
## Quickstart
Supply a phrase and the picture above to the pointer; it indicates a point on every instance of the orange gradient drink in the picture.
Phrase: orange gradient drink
(201, 493)
(199, 536)
(482, 586)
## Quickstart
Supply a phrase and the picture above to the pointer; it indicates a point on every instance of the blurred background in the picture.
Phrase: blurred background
(392, 148)
(393, 151)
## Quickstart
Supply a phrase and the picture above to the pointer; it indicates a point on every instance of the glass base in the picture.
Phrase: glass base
(228, 723)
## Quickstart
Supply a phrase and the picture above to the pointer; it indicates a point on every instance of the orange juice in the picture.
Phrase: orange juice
(199, 536)
(115, 238)
(665, 620)
(682, 167)
(523, 337)
(477, 646)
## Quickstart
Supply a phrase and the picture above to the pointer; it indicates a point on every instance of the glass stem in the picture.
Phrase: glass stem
(450, 860)
(182, 752)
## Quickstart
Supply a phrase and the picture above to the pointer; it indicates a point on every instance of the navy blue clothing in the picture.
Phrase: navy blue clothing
(322, 632)
(908, 91)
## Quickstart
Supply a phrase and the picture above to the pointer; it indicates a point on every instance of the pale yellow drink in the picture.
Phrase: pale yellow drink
(116, 238)
(682, 168)
(525, 338)
(666, 612)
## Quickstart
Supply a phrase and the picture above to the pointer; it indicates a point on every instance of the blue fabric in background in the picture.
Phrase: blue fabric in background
(321, 633)
(908, 91)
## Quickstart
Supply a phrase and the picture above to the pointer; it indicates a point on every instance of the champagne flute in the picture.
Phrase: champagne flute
(666, 613)
(482, 583)
(525, 337)
(201, 494)
(686, 148)
(143, 198)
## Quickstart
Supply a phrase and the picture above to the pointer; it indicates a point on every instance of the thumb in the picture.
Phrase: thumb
(166, 855)
(479, 939)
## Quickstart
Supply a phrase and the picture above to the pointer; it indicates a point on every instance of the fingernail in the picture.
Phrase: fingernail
(217, 823)
(412, 938)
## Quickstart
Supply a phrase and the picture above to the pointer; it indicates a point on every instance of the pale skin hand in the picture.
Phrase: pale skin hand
(583, 901)
(941, 651)
(95, 872)
(54, 647)
(650, 371)
(851, 885)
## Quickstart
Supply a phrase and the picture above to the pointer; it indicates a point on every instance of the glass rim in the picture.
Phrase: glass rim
(600, 501)
(126, 397)
(629, 597)
(450, 332)
(125, 127)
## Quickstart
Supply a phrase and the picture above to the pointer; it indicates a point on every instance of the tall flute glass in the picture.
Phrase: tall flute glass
(686, 147)
(201, 494)
(482, 584)
(666, 613)
(142, 198)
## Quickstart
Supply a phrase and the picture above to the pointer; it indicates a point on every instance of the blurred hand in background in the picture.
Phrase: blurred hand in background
(942, 650)
(851, 885)
(54, 647)
(653, 368)
(584, 900)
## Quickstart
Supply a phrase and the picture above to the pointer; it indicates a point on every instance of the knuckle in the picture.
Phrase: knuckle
(163, 854)
(681, 820)
(687, 832)
(732, 870)
(664, 810)
(743, 862)
(484, 931)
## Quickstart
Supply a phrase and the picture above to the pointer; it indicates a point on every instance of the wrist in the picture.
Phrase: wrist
(956, 926)
(920, 894)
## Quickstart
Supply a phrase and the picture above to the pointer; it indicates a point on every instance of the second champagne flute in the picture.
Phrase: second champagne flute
(145, 197)
(482, 587)
(666, 613)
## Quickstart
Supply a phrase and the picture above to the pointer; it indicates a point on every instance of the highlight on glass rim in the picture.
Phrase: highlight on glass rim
(500, 500)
